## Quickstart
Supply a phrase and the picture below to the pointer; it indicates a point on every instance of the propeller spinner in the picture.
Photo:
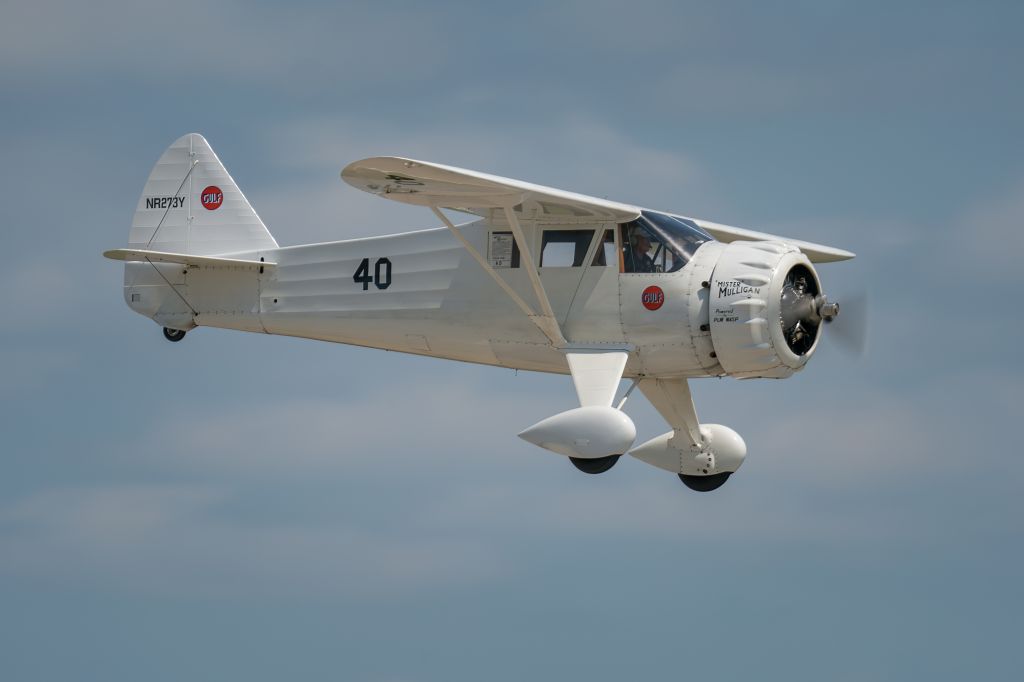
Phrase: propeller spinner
(803, 309)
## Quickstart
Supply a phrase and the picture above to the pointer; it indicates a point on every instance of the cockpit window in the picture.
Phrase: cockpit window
(643, 252)
(657, 242)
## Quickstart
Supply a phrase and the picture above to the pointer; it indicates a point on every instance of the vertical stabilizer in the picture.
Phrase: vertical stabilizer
(191, 205)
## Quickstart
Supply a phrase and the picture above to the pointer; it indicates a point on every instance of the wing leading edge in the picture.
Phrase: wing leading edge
(422, 183)
(817, 253)
(430, 184)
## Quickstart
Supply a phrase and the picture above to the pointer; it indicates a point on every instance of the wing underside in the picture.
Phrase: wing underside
(429, 184)
(817, 253)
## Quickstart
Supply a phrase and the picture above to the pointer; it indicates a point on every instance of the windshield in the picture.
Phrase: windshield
(658, 242)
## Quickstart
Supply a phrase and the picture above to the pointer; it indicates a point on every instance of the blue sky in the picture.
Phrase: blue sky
(251, 507)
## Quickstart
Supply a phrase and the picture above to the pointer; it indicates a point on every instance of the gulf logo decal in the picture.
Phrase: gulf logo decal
(653, 298)
(212, 198)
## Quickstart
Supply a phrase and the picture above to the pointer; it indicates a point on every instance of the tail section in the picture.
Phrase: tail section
(190, 216)
(191, 205)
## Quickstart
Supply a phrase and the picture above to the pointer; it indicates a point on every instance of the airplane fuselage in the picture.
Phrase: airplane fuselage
(421, 292)
(545, 280)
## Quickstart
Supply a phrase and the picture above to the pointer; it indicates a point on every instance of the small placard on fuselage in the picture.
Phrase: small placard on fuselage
(499, 250)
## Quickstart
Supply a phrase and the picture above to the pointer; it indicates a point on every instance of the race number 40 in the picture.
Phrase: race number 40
(381, 276)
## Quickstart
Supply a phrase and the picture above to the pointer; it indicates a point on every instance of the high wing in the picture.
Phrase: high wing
(431, 184)
(817, 253)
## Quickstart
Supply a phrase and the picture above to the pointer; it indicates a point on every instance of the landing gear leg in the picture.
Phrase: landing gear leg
(173, 335)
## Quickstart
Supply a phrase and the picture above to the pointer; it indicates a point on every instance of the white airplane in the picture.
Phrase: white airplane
(542, 280)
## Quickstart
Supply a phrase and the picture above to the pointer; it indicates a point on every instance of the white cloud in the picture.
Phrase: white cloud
(26, 370)
(863, 236)
(111, 514)
(839, 445)
(200, 43)
(322, 209)
(463, 513)
(636, 503)
(573, 152)
(168, 539)
(391, 426)
(992, 233)
(44, 291)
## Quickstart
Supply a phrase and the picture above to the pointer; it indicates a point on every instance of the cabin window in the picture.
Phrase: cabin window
(658, 242)
(645, 252)
(605, 254)
(565, 248)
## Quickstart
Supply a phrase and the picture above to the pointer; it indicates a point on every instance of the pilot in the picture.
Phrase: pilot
(640, 261)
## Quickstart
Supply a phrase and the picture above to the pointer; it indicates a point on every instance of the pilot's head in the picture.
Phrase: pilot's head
(641, 244)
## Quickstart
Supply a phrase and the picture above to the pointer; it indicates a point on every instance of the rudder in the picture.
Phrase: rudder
(191, 205)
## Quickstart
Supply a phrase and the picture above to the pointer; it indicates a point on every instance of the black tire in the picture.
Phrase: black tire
(173, 335)
(598, 465)
(705, 484)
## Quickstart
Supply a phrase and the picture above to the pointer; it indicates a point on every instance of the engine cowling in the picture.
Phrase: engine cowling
(764, 309)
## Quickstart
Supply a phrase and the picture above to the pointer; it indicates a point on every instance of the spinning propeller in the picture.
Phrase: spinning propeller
(804, 308)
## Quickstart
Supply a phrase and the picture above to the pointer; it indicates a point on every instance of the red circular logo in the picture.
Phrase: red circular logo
(653, 298)
(212, 198)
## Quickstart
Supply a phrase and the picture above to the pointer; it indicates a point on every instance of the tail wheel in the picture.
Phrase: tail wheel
(173, 335)
(705, 484)
(598, 465)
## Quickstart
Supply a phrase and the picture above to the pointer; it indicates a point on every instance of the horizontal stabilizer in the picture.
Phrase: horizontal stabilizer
(142, 255)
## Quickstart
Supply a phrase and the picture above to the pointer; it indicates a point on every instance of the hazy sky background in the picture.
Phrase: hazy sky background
(250, 507)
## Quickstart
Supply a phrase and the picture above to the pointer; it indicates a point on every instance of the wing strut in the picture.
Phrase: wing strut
(672, 399)
(546, 322)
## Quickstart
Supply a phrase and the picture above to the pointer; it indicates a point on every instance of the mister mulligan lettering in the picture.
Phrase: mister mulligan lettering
(734, 287)
(165, 202)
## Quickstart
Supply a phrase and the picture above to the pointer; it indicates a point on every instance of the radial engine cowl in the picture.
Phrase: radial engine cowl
(759, 327)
